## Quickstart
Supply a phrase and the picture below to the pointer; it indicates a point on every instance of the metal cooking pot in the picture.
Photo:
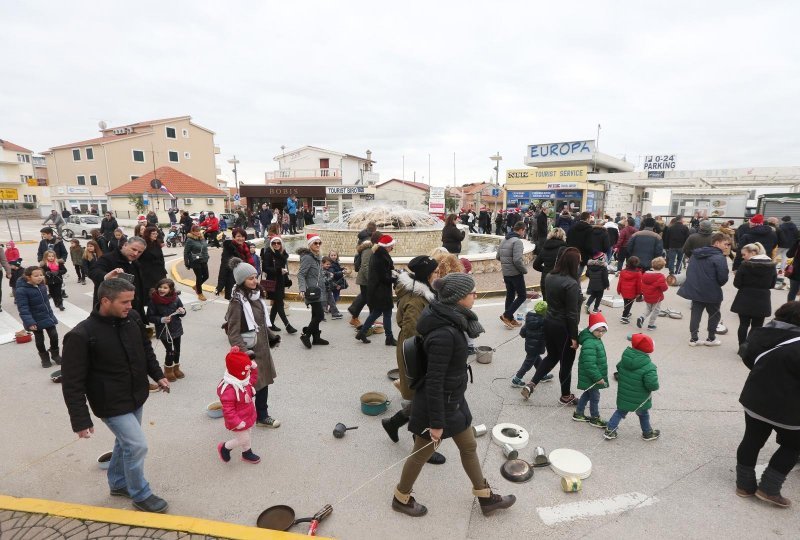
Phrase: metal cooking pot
(374, 403)
(516, 470)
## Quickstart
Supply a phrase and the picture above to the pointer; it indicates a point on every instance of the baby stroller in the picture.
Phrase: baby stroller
(174, 237)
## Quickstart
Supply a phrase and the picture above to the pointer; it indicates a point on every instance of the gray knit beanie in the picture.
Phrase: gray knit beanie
(453, 287)
(241, 270)
(705, 226)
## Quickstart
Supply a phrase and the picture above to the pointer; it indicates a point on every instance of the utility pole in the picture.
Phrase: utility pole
(497, 158)
(429, 170)
(235, 162)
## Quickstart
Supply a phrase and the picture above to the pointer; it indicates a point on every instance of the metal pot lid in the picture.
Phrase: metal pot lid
(393, 374)
(277, 518)
(516, 470)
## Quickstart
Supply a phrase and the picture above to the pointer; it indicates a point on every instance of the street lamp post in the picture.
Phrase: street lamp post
(235, 162)
(497, 158)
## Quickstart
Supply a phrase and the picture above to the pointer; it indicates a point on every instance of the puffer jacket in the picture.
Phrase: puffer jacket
(789, 230)
(754, 279)
(580, 236)
(439, 400)
(597, 272)
(546, 257)
(638, 377)
(653, 286)
(646, 245)
(592, 362)
(563, 296)
(34, 305)
(510, 256)
(412, 298)
(380, 280)
(452, 237)
(629, 284)
(310, 273)
(533, 333)
(600, 239)
(764, 234)
(157, 310)
(238, 409)
(365, 249)
(772, 390)
(563, 222)
(705, 276)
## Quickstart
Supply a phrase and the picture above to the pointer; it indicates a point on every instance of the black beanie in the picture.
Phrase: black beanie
(422, 267)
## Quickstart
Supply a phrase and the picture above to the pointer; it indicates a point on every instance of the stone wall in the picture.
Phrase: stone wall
(409, 243)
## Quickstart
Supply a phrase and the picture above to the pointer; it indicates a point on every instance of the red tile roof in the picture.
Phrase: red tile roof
(110, 137)
(418, 185)
(8, 145)
(175, 181)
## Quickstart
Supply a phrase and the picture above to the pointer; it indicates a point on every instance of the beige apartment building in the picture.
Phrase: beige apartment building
(83, 172)
(23, 178)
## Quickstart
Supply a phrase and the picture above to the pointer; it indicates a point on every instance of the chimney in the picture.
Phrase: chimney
(369, 160)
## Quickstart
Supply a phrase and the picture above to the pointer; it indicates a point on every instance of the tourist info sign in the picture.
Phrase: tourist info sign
(663, 162)
(436, 200)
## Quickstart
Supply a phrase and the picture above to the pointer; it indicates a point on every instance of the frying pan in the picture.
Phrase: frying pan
(281, 518)
(516, 470)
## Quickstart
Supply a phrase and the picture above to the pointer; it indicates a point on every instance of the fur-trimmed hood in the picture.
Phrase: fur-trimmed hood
(363, 245)
(408, 285)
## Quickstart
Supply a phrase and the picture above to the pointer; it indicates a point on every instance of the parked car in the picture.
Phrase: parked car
(80, 225)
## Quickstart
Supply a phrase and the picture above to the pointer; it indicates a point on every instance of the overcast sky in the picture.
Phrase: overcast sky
(716, 83)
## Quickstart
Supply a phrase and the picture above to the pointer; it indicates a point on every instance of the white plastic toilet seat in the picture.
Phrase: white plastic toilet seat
(518, 443)
(569, 462)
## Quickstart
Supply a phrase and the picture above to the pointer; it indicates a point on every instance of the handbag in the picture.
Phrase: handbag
(269, 285)
(250, 339)
(789, 270)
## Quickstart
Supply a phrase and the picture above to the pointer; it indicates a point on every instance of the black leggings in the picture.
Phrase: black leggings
(756, 433)
(173, 350)
(595, 296)
(316, 317)
(200, 275)
(79, 272)
(278, 308)
(55, 293)
(559, 349)
(746, 322)
(52, 334)
(627, 305)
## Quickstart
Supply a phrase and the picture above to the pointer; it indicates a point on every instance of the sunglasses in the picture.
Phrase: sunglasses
(316, 243)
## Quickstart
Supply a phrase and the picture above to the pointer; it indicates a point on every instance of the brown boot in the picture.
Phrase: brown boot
(201, 297)
(405, 503)
(354, 322)
(176, 370)
(492, 501)
(169, 373)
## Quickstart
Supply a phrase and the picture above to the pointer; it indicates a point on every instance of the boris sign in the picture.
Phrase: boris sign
(530, 176)
(562, 151)
(348, 190)
(665, 162)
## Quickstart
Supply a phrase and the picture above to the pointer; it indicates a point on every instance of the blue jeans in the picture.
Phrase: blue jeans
(373, 316)
(592, 396)
(674, 260)
(530, 361)
(644, 420)
(515, 294)
(126, 468)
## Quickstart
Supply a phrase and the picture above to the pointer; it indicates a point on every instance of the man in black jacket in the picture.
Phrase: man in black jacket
(580, 236)
(674, 237)
(380, 280)
(264, 218)
(122, 264)
(107, 359)
(541, 226)
(366, 233)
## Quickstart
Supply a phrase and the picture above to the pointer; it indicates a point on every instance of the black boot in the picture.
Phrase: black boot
(291, 329)
(362, 337)
(390, 341)
(769, 489)
(45, 358)
(492, 501)
(393, 424)
(410, 507)
(54, 354)
(306, 339)
(319, 341)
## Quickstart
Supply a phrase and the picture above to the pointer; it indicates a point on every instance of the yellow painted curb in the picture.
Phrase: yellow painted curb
(142, 519)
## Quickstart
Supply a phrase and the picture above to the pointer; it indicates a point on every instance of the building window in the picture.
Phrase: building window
(29, 198)
(90, 154)
(81, 180)
(23, 178)
(171, 133)
(138, 156)
(23, 158)
(76, 154)
(93, 180)
(134, 177)
(173, 156)
(187, 155)
(185, 133)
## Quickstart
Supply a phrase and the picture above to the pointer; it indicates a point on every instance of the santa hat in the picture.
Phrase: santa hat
(312, 237)
(642, 342)
(143, 218)
(757, 219)
(386, 241)
(237, 363)
(597, 321)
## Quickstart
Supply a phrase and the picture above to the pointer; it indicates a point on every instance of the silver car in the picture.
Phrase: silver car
(80, 225)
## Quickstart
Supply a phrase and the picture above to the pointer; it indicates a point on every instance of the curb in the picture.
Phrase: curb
(147, 520)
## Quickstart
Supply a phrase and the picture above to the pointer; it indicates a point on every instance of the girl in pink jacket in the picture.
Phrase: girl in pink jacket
(236, 392)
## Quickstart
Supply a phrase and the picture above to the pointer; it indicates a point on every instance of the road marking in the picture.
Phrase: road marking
(8, 327)
(71, 316)
(551, 515)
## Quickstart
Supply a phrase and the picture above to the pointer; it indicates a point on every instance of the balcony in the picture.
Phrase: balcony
(303, 174)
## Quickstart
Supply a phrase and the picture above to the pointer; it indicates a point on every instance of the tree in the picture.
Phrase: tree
(451, 203)
(137, 201)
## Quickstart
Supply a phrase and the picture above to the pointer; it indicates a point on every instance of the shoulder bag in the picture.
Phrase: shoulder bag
(314, 294)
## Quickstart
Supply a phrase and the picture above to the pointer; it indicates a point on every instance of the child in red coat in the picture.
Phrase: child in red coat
(236, 392)
(629, 286)
(653, 286)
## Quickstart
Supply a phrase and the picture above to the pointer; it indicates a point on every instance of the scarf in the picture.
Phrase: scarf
(244, 252)
(462, 318)
(239, 386)
(248, 309)
(163, 300)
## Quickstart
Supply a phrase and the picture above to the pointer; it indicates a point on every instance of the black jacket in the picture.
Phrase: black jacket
(675, 236)
(563, 296)
(439, 401)
(754, 279)
(541, 224)
(792, 253)
(225, 273)
(597, 273)
(451, 238)
(546, 258)
(106, 360)
(108, 226)
(760, 233)
(580, 236)
(533, 332)
(116, 259)
(484, 220)
(54, 245)
(152, 266)
(379, 280)
(271, 264)
(265, 217)
(156, 311)
(789, 233)
(600, 240)
(772, 389)
(363, 236)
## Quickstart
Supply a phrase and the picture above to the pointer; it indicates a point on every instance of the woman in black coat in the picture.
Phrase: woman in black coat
(439, 409)
(755, 278)
(548, 253)
(771, 401)
(794, 279)
(380, 283)
(232, 248)
(274, 265)
(452, 235)
(151, 263)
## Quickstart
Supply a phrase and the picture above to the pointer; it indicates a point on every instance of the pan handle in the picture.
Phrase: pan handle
(312, 529)
(302, 520)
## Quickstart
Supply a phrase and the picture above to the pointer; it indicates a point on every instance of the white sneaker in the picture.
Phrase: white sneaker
(714, 343)
(694, 343)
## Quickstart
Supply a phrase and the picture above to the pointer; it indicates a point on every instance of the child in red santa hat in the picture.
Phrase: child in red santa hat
(236, 391)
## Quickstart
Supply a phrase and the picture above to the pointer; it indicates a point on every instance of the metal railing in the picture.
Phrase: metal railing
(303, 173)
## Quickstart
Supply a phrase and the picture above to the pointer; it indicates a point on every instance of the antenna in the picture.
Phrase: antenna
(102, 124)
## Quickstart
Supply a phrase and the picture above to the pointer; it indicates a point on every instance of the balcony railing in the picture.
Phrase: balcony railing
(303, 174)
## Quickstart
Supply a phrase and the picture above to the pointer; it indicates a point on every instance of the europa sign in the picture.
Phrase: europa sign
(563, 151)
(664, 162)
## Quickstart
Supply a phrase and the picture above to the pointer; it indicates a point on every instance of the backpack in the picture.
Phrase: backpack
(415, 360)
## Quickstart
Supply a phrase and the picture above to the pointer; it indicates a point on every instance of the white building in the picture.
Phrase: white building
(411, 195)
(312, 166)
(23, 180)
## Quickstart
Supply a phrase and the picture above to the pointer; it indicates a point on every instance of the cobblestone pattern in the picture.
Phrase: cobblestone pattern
(26, 526)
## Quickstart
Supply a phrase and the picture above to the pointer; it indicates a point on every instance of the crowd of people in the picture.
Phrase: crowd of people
(134, 301)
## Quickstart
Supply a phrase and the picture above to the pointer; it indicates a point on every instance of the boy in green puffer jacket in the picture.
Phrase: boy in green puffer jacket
(638, 379)
(592, 370)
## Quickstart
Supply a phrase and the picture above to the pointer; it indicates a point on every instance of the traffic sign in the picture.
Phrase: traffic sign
(236, 197)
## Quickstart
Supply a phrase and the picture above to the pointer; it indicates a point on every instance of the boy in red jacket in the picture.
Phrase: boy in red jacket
(629, 286)
(236, 391)
(653, 286)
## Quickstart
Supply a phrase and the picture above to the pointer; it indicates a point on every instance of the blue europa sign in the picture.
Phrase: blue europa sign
(563, 151)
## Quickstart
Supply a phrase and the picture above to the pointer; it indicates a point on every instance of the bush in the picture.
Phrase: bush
(29, 205)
